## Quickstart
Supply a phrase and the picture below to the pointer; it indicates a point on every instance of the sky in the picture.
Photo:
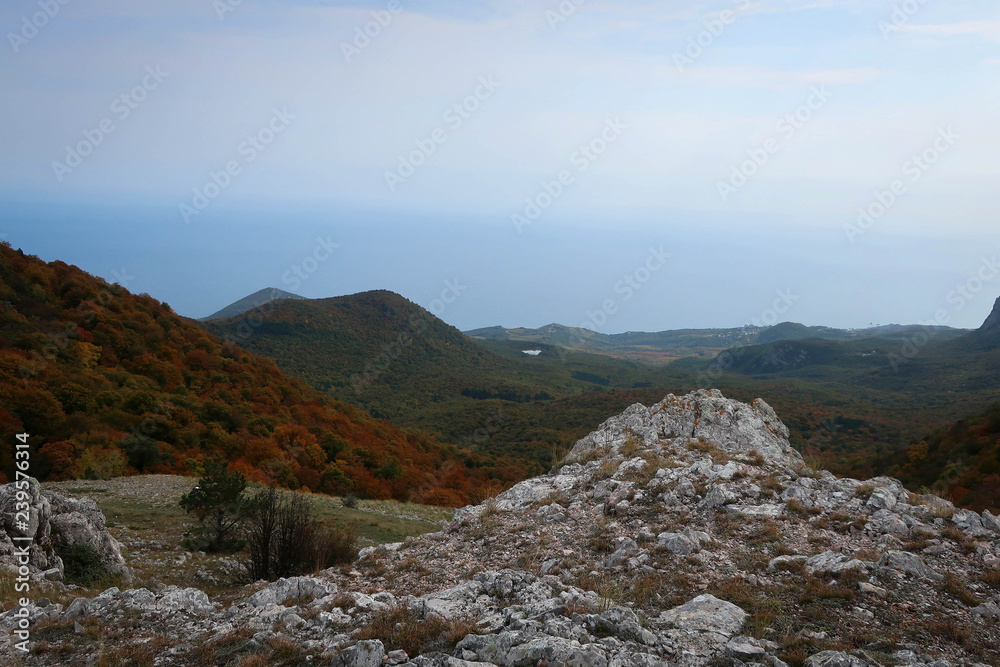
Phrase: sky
(618, 165)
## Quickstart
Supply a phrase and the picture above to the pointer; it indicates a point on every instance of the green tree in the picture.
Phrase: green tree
(142, 451)
(218, 504)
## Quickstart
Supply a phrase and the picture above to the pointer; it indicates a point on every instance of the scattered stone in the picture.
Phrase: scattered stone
(911, 564)
(746, 649)
(832, 564)
(871, 589)
(684, 543)
(834, 659)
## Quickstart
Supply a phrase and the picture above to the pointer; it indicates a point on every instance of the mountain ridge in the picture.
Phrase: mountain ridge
(251, 301)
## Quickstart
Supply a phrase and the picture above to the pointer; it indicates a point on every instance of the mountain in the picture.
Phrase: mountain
(987, 337)
(255, 300)
(656, 348)
(389, 356)
(107, 382)
(684, 534)
(848, 401)
(992, 324)
(856, 403)
(668, 346)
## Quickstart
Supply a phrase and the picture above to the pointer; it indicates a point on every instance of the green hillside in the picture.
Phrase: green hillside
(385, 354)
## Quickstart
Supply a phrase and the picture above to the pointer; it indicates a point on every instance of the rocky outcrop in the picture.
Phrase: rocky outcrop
(991, 326)
(55, 523)
(685, 534)
(704, 415)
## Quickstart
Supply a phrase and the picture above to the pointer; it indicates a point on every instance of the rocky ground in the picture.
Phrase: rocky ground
(686, 533)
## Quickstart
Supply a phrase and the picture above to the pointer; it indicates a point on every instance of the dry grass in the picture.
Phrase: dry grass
(840, 522)
(402, 628)
(760, 602)
(718, 456)
(763, 532)
(771, 484)
(865, 491)
(991, 578)
(843, 590)
(942, 511)
(602, 540)
(948, 630)
(633, 444)
(595, 454)
(794, 507)
(654, 591)
(955, 587)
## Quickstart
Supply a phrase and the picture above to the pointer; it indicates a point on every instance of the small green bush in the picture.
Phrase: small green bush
(81, 565)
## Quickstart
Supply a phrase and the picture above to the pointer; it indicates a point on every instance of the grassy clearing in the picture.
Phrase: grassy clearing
(143, 513)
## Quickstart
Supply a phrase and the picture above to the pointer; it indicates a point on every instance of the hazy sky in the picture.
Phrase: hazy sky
(539, 153)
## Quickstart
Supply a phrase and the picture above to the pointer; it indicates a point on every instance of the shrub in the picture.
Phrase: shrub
(349, 501)
(142, 451)
(335, 546)
(285, 539)
(81, 564)
(218, 504)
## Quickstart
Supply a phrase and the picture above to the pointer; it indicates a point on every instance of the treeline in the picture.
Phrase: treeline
(962, 462)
